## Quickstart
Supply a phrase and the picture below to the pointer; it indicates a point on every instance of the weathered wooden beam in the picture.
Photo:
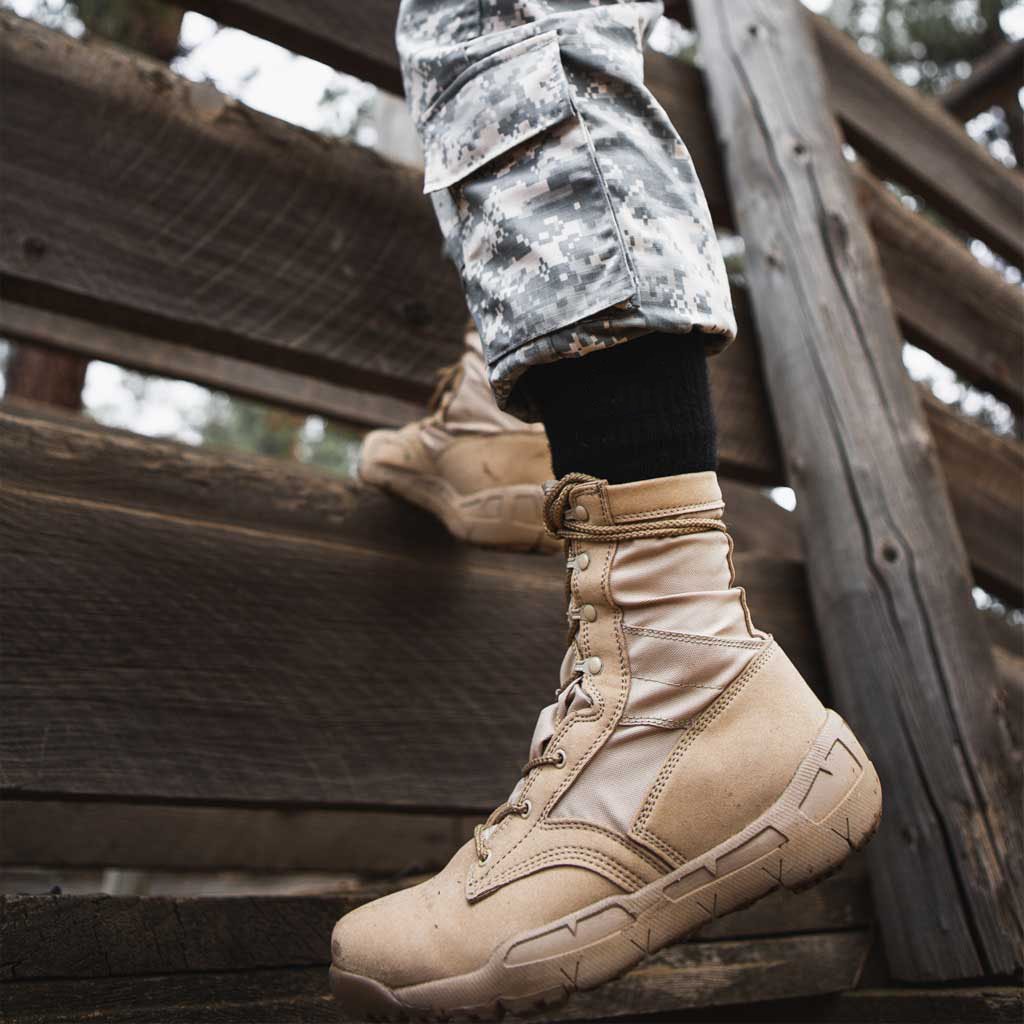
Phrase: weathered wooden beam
(234, 232)
(910, 138)
(994, 81)
(182, 837)
(288, 636)
(889, 578)
(982, 473)
(224, 373)
(215, 957)
(949, 304)
(45, 375)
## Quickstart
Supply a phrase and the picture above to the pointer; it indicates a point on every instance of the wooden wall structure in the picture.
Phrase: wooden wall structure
(200, 669)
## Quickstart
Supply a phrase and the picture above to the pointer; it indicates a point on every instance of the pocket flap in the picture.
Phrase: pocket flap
(495, 104)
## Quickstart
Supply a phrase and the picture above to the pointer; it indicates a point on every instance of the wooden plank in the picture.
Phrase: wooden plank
(966, 315)
(297, 996)
(95, 944)
(234, 232)
(986, 485)
(992, 1005)
(288, 638)
(889, 577)
(223, 373)
(85, 833)
(994, 81)
(910, 138)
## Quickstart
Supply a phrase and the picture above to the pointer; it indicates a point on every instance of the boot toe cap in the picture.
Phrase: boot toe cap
(381, 941)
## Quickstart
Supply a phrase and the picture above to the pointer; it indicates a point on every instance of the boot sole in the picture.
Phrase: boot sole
(831, 807)
(499, 517)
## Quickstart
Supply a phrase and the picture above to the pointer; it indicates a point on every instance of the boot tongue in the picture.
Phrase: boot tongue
(570, 695)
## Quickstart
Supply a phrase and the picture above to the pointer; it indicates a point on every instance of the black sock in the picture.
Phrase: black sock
(637, 411)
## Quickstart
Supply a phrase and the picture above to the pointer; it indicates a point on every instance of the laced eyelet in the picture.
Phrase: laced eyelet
(483, 861)
(562, 758)
(527, 809)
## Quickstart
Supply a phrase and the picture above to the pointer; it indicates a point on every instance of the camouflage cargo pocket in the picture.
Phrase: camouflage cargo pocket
(537, 239)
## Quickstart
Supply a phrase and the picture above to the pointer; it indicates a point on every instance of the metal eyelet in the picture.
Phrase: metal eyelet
(594, 666)
(562, 758)
(482, 861)
(589, 613)
(580, 513)
(583, 561)
(527, 809)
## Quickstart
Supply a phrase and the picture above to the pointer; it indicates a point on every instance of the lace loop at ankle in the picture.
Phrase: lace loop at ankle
(560, 521)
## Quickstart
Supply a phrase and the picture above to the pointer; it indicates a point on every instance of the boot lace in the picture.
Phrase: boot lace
(560, 521)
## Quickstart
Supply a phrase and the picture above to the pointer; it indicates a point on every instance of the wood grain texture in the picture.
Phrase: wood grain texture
(889, 579)
(79, 834)
(223, 373)
(226, 230)
(326, 650)
(912, 139)
(45, 375)
(986, 486)
(965, 314)
(108, 951)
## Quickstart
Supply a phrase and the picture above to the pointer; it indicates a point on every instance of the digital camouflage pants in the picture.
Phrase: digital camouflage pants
(566, 198)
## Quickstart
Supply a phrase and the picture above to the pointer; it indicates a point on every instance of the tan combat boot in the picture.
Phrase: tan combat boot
(479, 470)
(684, 771)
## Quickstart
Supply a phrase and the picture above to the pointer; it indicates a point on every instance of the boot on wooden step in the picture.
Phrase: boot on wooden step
(479, 470)
(684, 770)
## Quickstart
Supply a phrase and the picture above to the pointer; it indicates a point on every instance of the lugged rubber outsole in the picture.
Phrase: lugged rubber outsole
(831, 807)
(508, 517)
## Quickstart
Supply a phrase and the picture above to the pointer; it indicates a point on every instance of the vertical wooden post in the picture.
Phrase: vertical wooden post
(46, 375)
(890, 582)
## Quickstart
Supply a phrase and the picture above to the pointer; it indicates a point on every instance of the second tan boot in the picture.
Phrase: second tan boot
(478, 469)
(684, 770)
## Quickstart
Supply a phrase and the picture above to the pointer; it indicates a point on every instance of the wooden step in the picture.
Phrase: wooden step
(79, 958)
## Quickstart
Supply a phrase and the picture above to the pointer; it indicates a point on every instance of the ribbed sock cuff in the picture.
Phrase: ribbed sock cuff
(637, 411)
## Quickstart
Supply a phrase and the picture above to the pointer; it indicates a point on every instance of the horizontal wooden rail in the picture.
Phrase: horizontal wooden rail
(161, 206)
(963, 313)
(313, 615)
(995, 81)
(142, 352)
(288, 310)
(324, 629)
(224, 960)
(905, 135)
